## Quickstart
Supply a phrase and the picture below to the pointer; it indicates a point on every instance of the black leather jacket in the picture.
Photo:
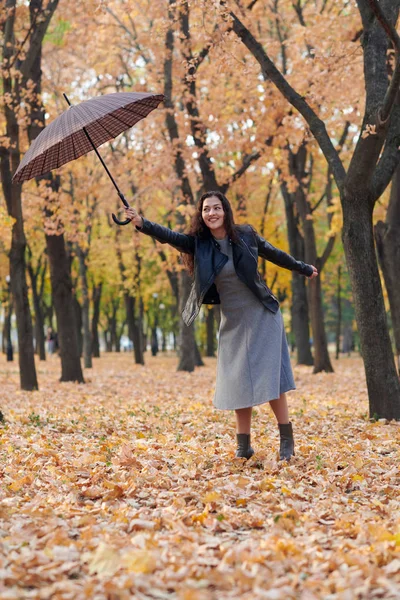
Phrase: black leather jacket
(209, 260)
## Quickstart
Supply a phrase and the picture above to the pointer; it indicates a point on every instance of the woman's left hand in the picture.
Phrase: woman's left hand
(314, 274)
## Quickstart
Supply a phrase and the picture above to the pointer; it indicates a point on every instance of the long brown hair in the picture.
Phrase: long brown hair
(199, 228)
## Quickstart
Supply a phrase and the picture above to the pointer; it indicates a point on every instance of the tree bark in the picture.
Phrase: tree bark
(97, 289)
(134, 329)
(28, 379)
(210, 325)
(7, 341)
(299, 308)
(339, 315)
(39, 316)
(358, 240)
(87, 338)
(64, 305)
(113, 326)
(198, 361)
(186, 343)
(387, 237)
(107, 340)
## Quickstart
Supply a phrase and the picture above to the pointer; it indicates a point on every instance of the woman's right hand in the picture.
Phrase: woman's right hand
(132, 214)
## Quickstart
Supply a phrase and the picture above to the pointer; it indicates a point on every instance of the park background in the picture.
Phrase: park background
(118, 478)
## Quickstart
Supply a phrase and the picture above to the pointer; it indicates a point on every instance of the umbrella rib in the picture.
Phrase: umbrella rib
(105, 128)
(73, 146)
(58, 154)
(33, 164)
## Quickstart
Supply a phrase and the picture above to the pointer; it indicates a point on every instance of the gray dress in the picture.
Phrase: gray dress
(253, 364)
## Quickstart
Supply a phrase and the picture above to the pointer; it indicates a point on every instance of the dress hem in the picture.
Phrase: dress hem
(291, 388)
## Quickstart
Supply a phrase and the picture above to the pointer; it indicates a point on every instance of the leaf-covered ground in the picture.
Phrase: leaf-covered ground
(127, 487)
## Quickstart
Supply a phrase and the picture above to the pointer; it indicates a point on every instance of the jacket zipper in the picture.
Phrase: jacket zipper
(250, 252)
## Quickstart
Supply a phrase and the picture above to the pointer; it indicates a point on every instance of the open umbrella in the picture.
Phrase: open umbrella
(82, 128)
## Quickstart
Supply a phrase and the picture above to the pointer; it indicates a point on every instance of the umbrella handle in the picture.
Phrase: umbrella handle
(126, 204)
(118, 222)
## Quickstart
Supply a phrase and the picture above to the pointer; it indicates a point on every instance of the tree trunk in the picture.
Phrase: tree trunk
(134, 328)
(141, 327)
(339, 315)
(347, 342)
(358, 240)
(9, 160)
(59, 265)
(64, 304)
(210, 321)
(113, 333)
(39, 317)
(19, 289)
(4, 335)
(322, 360)
(198, 361)
(87, 339)
(95, 320)
(387, 236)
(299, 308)
(40, 346)
(8, 348)
(300, 320)
(78, 323)
(107, 340)
(138, 342)
(186, 341)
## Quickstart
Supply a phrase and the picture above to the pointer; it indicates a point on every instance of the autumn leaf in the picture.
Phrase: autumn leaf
(105, 561)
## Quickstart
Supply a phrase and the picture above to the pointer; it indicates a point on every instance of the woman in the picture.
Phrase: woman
(253, 365)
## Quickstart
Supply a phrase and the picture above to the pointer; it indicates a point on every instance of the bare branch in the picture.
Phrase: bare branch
(328, 249)
(314, 208)
(248, 160)
(265, 207)
(131, 34)
(299, 11)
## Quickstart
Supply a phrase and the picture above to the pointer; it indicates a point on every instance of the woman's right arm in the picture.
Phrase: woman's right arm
(180, 241)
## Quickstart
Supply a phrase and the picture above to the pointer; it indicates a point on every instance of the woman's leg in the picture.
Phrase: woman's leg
(243, 424)
(280, 409)
(243, 420)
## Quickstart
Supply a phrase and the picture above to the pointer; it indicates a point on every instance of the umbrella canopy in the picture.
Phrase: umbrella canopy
(82, 128)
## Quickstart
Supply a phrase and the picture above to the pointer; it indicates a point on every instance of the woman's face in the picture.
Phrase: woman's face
(213, 213)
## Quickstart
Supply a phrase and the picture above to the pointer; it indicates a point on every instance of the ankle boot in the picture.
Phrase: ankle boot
(286, 450)
(244, 450)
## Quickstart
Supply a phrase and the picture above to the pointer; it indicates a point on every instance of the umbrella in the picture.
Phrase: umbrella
(82, 128)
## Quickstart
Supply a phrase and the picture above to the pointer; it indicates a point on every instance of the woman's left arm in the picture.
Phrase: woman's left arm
(282, 259)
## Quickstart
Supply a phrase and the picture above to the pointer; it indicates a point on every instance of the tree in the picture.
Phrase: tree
(17, 72)
(387, 236)
(71, 369)
(371, 167)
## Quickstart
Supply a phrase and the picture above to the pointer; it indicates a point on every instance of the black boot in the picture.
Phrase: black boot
(286, 450)
(244, 450)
